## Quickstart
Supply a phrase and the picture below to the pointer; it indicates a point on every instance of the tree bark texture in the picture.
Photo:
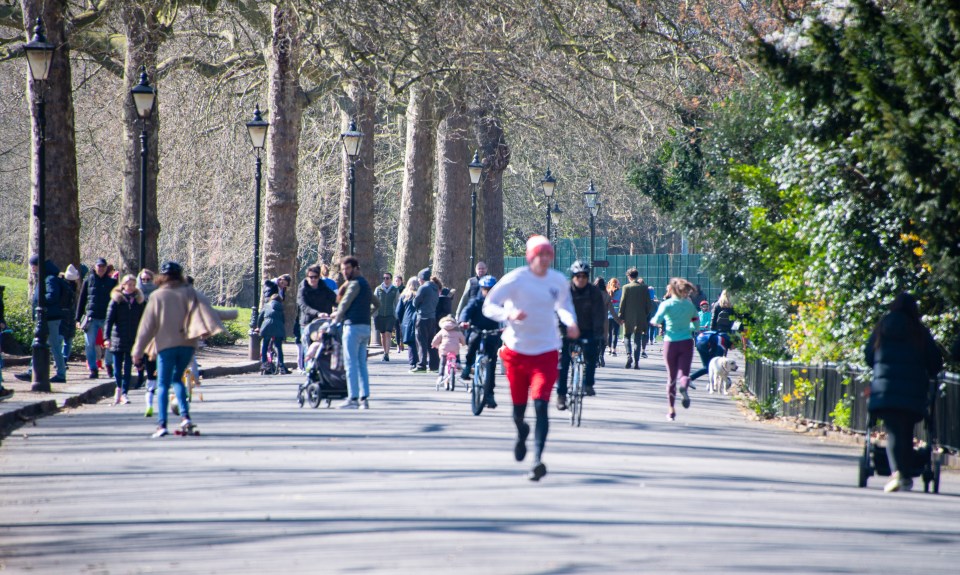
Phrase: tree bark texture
(415, 226)
(361, 105)
(143, 36)
(63, 209)
(451, 247)
(495, 154)
(285, 105)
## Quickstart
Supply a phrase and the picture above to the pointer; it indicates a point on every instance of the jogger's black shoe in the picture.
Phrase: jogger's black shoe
(538, 471)
(520, 449)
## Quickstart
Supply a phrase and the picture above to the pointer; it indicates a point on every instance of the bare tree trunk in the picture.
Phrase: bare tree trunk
(285, 104)
(451, 245)
(495, 154)
(63, 211)
(361, 105)
(416, 203)
(143, 37)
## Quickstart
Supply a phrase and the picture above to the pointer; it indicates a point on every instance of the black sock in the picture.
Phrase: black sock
(543, 425)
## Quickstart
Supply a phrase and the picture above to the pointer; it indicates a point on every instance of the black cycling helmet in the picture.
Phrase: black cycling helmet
(487, 282)
(579, 267)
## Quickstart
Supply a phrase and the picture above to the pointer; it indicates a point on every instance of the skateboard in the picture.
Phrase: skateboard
(185, 430)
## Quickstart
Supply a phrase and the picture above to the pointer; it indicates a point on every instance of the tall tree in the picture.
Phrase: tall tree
(285, 104)
(451, 245)
(495, 153)
(63, 220)
(417, 202)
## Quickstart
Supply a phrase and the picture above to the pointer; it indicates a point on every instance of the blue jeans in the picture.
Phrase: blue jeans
(90, 340)
(55, 343)
(355, 341)
(122, 366)
(171, 364)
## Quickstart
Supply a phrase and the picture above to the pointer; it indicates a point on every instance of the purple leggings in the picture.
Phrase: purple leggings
(678, 355)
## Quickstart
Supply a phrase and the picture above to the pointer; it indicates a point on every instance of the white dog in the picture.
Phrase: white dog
(719, 373)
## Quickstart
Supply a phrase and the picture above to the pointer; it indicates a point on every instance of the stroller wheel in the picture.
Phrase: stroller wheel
(936, 476)
(864, 469)
(329, 402)
(300, 396)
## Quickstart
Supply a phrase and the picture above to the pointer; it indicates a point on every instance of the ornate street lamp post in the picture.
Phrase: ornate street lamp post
(351, 145)
(39, 55)
(590, 197)
(257, 129)
(548, 184)
(144, 96)
(476, 170)
(555, 217)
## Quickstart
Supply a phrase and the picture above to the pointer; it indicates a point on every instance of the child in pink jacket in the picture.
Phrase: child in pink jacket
(448, 340)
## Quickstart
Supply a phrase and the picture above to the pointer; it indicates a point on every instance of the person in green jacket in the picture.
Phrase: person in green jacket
(635, 311)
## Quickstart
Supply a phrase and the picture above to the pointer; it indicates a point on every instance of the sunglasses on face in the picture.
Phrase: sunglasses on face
(581, 276)
(310, 277)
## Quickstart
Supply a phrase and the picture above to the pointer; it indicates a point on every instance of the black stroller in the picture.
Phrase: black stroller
(927, 459)
(326, 376)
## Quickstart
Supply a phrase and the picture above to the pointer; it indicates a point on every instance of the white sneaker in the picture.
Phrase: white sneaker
(160, 432)
(349, 403)
(364, 404)
(897, 483)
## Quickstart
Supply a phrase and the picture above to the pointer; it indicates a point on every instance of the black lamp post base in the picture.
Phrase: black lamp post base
(41, 369)
(254, 346)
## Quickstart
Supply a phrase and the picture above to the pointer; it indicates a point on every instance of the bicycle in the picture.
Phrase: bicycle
(449, 377)
(478, 395)
(575, 391)
(270, 366)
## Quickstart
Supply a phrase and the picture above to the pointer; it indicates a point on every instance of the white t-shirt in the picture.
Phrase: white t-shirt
(542, 298)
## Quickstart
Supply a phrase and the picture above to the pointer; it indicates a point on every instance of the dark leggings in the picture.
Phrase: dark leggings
(265, 345)
(613, 334)
(540, 406)
(899, 426)
(678, 355)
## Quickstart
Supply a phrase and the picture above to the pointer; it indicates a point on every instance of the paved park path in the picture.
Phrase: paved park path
(419, 485)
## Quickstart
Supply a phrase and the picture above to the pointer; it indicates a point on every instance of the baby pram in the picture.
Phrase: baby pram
(326, 376)
(926, 461)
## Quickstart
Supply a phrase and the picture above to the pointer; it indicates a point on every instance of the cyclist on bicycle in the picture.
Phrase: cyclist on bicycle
(472, 317)
(591, 315)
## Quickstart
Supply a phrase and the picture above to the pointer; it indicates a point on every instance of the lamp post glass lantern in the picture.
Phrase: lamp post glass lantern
(476, 170)
(143, 97)
(257, 130)
(590, 197)
(547, 185)
(39, 57)
(351, 140)
(555, 214)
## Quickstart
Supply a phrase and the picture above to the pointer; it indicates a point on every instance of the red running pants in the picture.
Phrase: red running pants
(530, 374)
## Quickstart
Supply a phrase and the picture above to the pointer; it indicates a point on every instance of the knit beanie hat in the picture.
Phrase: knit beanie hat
(537, 245)
(72, 274)
(424, 275)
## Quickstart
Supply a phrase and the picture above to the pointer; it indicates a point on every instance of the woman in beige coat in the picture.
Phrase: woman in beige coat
(175, 319)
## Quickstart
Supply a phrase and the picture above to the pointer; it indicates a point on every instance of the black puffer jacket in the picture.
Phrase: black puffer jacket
(95, 296)
(591, 311)
(902, 366)
(314, 301)
(123, 319)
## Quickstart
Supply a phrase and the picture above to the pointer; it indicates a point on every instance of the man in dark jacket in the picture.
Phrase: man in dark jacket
(52, 289)
(635, 312)
(425, 302)
(92, 303)
(591, 315)
(314, 297)
(472, 288)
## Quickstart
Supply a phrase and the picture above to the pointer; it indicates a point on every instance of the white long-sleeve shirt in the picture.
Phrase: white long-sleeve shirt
(543, 299)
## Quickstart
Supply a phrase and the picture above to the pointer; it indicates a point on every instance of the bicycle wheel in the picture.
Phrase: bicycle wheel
(578, 405)
(477, 398)
(575, 393)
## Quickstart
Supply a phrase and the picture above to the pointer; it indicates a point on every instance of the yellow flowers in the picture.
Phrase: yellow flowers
(918, 251)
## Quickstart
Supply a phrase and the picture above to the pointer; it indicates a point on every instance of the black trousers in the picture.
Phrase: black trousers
(899, 425)
(426, 329)
(639, 340)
